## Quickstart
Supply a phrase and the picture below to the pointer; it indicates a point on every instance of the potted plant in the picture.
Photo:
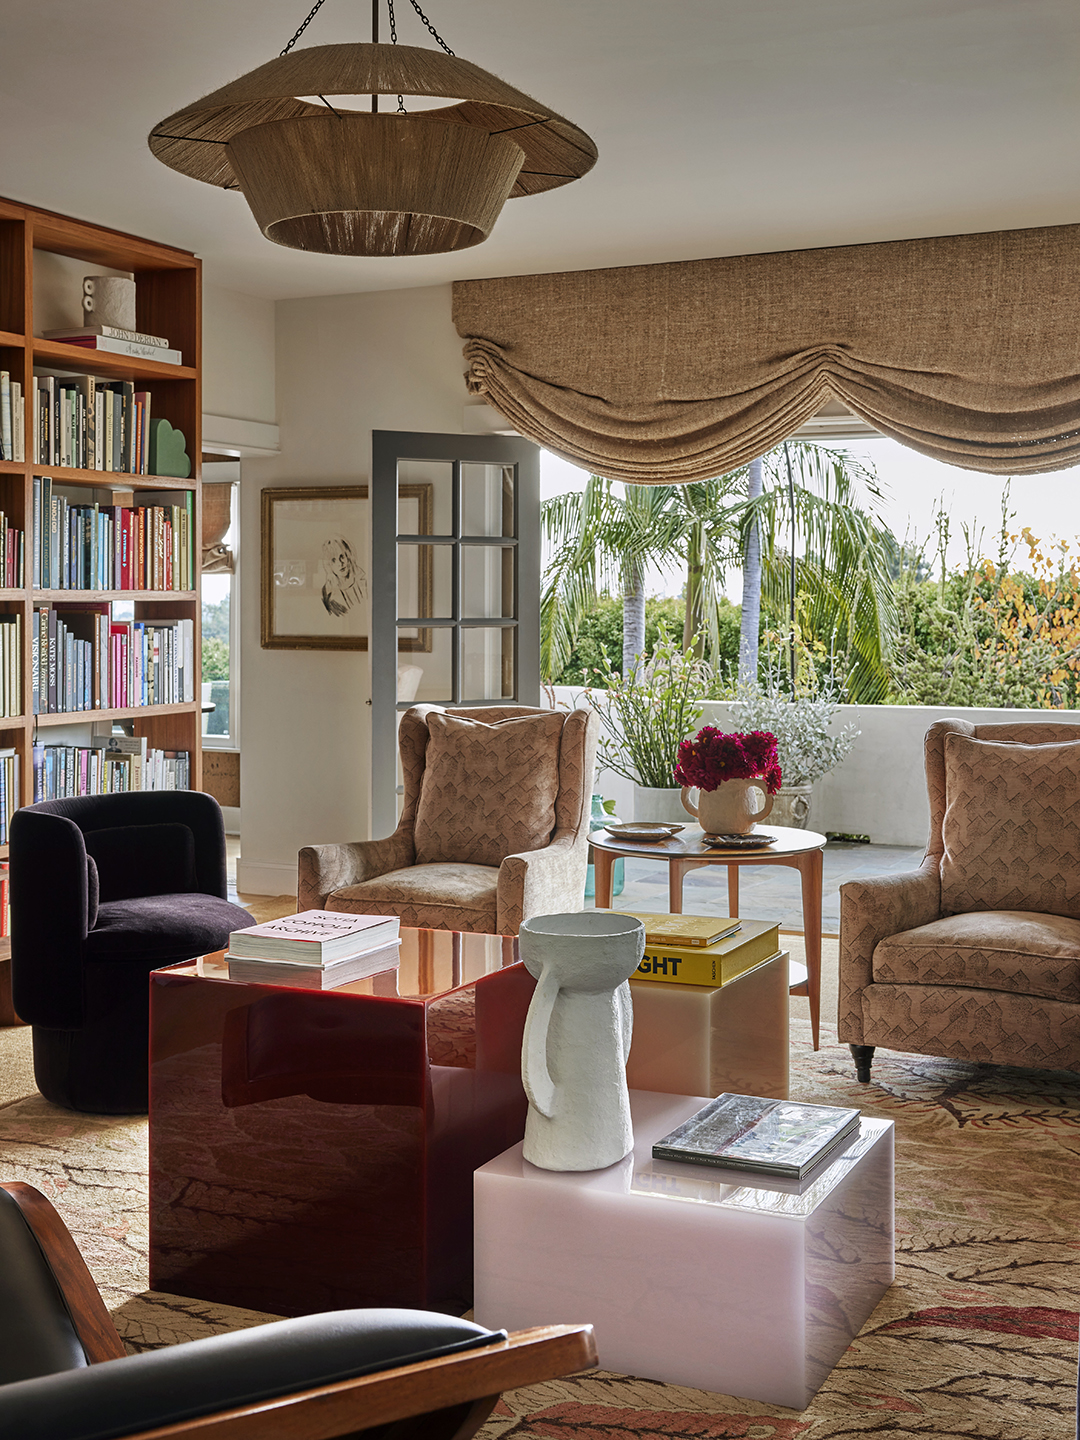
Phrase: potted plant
(725, 769)
(644, 718)
(807, 744)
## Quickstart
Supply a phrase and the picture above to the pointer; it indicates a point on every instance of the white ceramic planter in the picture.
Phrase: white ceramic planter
(791, 806)
(577, 1038)
(662, 805)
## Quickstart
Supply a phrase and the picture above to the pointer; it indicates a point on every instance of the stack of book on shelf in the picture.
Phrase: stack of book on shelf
(114, 341)
(11, 663)
(9, 791)
(314, 950)
(81, 542)
(12, 418)
(765, 1137)
(90, 424)
(83, 659)
(702, 949)
(109, 765)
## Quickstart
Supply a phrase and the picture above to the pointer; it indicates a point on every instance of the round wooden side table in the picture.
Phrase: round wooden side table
(799, 849)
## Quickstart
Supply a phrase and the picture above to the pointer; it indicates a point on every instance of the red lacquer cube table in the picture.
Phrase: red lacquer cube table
(314, 1150)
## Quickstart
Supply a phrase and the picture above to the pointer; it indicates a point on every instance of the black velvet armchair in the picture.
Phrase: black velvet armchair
(391, 1374)
(104, 889)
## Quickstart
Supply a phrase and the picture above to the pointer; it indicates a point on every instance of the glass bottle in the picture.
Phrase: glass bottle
(599, 819)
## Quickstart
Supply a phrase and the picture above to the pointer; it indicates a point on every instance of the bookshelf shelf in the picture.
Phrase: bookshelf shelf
(101, 597)
(102, 362)
(107, 479)
(79, 717)
(168, 303)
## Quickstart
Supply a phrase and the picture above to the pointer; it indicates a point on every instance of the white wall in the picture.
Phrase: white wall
(346, 365)
(238, 355)
(880, 789)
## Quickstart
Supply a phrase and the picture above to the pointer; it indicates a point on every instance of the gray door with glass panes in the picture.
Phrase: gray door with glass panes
(455, 584)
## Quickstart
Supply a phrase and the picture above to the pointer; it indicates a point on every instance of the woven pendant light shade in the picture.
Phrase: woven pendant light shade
(344, 182)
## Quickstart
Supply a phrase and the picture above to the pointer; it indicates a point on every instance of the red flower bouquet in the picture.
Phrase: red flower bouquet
(712, 757)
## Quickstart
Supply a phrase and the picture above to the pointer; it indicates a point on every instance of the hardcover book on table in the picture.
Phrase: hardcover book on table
(314, 937)
(768, 1137)
(301, 976)
(716, 964)
(685, 930)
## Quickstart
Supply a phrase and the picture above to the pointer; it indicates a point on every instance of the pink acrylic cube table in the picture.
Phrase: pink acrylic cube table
(690, 1275)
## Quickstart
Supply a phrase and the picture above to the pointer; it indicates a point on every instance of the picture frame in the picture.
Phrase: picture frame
(316, 543)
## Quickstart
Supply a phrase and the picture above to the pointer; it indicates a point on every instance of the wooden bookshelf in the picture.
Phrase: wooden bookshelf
(169, 303)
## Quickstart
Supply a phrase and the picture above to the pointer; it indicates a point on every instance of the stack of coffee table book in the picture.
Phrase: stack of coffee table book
(315, 950)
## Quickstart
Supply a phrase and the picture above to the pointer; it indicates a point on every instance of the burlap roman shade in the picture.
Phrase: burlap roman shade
(966, 348)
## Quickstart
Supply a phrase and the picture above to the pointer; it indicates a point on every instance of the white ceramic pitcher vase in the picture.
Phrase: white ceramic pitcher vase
(727, 810)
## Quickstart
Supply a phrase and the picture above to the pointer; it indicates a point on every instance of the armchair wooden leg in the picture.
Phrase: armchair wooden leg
(863, 1055)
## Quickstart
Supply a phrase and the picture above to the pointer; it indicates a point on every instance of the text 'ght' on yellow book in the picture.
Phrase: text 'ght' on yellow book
(757, 940)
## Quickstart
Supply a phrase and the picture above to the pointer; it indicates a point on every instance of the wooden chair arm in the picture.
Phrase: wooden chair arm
(93, 1323)
(449, 1383)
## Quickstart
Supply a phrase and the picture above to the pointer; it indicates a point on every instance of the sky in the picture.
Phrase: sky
(914, 487)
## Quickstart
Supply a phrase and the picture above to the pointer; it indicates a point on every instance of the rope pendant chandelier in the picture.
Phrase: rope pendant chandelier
(340, 181)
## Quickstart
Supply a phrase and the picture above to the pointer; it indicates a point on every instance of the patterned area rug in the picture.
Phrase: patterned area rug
(977, 1338)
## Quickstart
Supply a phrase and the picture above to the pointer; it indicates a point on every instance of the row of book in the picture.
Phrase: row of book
(5, 901)
(83, 659)
(9, 791)
(90, 424)
(109, 765)
(146, 544)
(12, 418)
(11, 663)
(12, 558)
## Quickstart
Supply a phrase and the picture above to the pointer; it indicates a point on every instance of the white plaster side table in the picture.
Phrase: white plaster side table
(690, 1275)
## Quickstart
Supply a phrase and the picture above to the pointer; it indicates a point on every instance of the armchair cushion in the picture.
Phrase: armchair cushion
(488, 790)
(1011, 827)
(135, 860)
(439, 897)
(163, 1387)
(37, 1336)
(158, 929)
(1016, 951)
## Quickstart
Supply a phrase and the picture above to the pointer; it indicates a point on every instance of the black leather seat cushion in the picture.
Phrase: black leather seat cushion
(164, 1387)
(36, 1333)
(163, 928)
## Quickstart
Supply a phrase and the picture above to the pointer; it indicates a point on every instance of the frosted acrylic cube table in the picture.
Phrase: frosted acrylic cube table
(705, 1039)
(690, 1275)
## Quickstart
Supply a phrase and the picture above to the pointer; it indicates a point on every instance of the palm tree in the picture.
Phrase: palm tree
(598, 539)
(822, 539)
(750, 614)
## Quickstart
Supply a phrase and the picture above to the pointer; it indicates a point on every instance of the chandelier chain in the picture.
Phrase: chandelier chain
(393, 41)
(311, 16)
(431, 28)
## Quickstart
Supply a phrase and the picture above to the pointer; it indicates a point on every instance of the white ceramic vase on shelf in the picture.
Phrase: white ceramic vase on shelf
(662, 805)
(733, 808)
(577, 1038)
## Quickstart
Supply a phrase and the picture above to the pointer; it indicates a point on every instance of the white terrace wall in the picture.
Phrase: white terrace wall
(880, 788)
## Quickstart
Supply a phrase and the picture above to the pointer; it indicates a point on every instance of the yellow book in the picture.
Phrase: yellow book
(757, 940)
(685, 930)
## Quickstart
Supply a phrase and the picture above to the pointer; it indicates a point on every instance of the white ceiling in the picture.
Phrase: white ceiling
(724, 126)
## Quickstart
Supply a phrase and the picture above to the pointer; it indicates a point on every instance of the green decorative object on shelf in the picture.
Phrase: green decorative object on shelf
(168, 451)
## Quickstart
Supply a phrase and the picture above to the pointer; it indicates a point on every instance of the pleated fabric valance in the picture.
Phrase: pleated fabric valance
(966, 348)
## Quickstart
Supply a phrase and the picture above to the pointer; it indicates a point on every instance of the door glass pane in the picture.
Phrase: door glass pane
(487, 658)
(425, 666)
(425, 497)
(487, 499)
(425, 581)
(487, 582)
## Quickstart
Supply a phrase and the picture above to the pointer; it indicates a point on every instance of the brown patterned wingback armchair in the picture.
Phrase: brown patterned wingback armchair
(494, 826)
(976, 955)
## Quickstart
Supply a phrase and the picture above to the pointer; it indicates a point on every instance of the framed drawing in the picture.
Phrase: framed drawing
(315, 547)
